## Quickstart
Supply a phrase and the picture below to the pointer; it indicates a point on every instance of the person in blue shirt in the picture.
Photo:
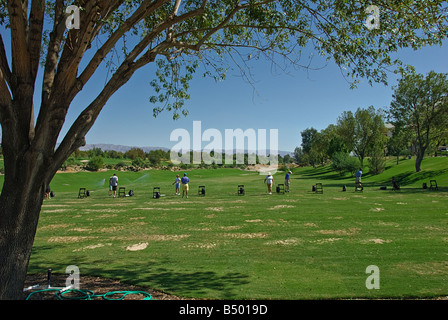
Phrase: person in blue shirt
(358, 175)
(287, 181)
(185, 182)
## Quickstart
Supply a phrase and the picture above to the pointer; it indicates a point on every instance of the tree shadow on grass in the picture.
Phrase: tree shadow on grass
(180, 283)
(186, 284)
(404, 179)
(375, 186)
(410, 177)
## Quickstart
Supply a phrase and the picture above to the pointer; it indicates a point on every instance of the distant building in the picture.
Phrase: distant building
(389, 129)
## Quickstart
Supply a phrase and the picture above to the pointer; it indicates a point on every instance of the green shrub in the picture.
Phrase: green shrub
(343, 163)
(139, 163)
(95, 163)
(377, 163)
(120, 165)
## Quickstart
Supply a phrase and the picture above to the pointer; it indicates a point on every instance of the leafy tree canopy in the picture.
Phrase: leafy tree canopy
(178, 37)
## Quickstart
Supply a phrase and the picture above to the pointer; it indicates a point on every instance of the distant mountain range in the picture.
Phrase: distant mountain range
(121, 148)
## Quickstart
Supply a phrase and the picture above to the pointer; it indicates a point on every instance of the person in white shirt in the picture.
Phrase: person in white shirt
(269, 181)
(177, 182)
(113, 182)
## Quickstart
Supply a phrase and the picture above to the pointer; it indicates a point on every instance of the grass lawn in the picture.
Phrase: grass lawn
(298, 245)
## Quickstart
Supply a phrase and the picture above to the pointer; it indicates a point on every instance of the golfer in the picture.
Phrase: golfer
(185, 182)
(287, 181)
(177, 182)
(47, 192)
(358, 175)
(269, 181)
(113, 183)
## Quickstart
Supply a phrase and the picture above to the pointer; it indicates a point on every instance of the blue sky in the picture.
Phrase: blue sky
(287, 102)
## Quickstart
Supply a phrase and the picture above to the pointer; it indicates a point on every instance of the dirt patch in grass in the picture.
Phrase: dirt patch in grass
(217, 209)
(377, 241)
(55, 226)
(311, 224)
(388, 224)
(111, 229)
(99, 286)
(327, 240)
(285, 242)
(236, 201)
(104, 210)
(80, 229)
(44, 210)
(166, 237)
(210, 245)
(161, 209)
(341, 232)
(231, 227)
(257, 235)
(54, 205)
(426, 268)
(69, 239)
(115, 204)
(137, 247)
(281, 206)
(91, 247)
(103, 216)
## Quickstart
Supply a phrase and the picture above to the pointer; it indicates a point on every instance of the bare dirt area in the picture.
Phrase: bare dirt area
(99, 286)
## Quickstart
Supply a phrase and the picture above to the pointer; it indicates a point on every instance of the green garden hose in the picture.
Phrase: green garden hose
(89, 295)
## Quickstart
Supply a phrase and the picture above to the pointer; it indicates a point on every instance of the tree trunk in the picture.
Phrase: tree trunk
(361, 161)
(418, 160)
(20, 204)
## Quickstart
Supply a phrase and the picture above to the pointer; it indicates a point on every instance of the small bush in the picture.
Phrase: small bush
(377, 163)
(95, 163)
(139, 163)
(343, 163)
(120, 165)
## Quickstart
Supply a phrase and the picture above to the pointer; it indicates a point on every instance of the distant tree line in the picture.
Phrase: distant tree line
(154, 158)
(139, 158)
(415, 124)
(132, 154)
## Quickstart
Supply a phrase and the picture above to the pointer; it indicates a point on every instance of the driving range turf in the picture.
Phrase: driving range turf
(297, 245)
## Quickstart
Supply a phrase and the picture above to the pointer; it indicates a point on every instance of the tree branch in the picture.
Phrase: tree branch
(75, 136)
(36, 21)
(59, 77)
(176, 7)
(76, 44)
(5, 101)
(19, 53)
(4, 66)
(54, 47)
(144, 10)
